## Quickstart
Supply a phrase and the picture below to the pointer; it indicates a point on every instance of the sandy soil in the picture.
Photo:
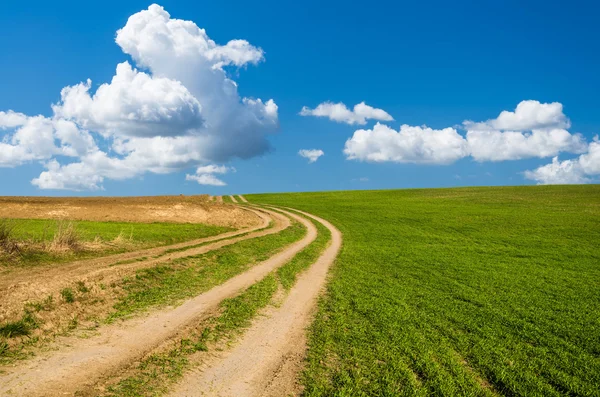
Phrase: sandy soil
(269, 357)
(233, 199)
(178, 209)
(220, 199)
(80, 364)
(242, 198)
(35, 284)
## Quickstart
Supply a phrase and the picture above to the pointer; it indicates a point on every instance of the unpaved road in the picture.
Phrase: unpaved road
(242, 198)
(81, 363)
(269, 356)
(220, 199)
(233, 199)
(35, 284)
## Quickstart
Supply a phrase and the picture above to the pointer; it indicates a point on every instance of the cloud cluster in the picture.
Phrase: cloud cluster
(583, 169)
(340, 113)
(532, 130)
(311, 154)
(205, 175)
(182, 111)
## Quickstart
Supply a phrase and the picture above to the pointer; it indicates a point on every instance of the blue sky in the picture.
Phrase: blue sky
(429, 63)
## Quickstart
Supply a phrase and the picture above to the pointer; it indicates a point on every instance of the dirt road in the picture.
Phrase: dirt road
(80, 364)
(242, 198)
(268, 358)
(233, 199)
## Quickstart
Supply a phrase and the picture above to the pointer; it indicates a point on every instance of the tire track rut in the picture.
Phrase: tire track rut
(269, 357)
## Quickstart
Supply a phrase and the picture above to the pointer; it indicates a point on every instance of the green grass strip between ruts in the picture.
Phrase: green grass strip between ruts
(186, 277)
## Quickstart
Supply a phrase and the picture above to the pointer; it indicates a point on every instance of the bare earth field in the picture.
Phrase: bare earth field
(181, 209)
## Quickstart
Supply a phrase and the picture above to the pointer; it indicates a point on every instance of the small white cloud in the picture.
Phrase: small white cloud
(205, 175)
(311, 154)
(362, 179)
(528, 115)
(420, 145)
(340, 113)
(213, 169)
(205, 179)
(558, 173)
(534, 129)
(516, 145)
(579, 170)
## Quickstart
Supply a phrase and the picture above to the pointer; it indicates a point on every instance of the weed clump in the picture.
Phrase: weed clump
(68, 295)
(65, 237)
(81, 287)
(14, 328)
(21, 327)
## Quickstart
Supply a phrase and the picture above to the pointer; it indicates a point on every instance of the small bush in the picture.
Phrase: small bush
(66, 237)
(68, 295)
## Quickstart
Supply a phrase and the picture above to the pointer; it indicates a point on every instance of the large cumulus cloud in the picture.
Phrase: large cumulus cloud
(175, 108)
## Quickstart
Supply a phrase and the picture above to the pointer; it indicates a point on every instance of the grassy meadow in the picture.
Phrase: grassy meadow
(468, 291)
(36, 238)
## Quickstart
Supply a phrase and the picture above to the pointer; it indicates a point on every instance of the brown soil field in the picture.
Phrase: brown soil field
(176, 209)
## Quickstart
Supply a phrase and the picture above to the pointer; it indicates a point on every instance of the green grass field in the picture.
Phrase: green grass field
(470, 291)
(137, 235)
(147, 233)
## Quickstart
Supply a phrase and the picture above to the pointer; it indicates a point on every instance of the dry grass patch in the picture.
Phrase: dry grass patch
(65, 238)
(8, 245)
